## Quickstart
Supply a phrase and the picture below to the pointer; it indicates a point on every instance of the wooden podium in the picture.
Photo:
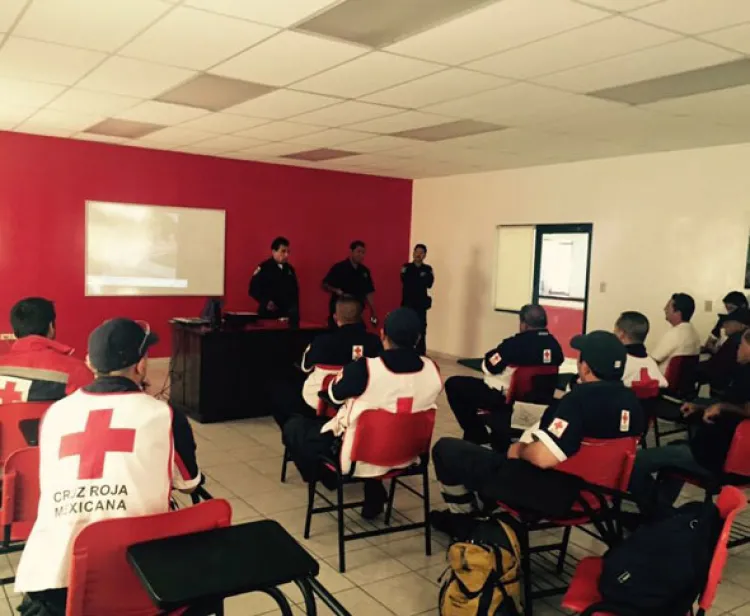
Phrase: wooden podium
(220, 374)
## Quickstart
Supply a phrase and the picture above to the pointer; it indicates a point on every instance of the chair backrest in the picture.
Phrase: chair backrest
(11, 416)
(326, 410)
(603, 462)
(681, 374)
(738, 457)
(20, 494)
(731, 501)
(646, 387)
(101, 579)
(524, 381)
(392, 439)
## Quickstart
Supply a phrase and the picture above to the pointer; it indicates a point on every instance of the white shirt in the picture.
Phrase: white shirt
(634, 365)
(681, 340)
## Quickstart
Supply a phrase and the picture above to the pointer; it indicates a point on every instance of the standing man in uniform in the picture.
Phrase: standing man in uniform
(274, 284)
(416, 278)
(108, 450)
(351, 277)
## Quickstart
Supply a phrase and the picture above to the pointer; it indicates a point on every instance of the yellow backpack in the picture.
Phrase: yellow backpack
(484, 574)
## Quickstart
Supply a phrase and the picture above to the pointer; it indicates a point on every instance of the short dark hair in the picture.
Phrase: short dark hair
(279, 242)
(422, 246)
(684, 304)
(736, 298)
(634, 324)
(356, 244)
(352, 306)
(32, 316)
(534, 316)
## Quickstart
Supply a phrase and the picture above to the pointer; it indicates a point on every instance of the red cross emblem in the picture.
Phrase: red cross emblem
(558, 425)
(9, 394)
(404, 405)
(95, 442)
(357, 352)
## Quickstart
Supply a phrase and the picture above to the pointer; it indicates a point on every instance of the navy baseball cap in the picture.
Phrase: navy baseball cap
(740, 315)
(402, 326)
(604, 354)
(119, 343)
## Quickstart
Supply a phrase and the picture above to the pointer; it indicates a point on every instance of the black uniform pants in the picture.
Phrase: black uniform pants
(466, 396)
(287, 400)
(422, 344)
(306, 444)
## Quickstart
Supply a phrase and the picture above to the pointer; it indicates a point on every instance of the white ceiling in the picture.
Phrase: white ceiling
(66, 65)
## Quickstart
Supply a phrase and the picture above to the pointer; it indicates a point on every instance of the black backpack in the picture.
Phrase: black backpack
(662, 567)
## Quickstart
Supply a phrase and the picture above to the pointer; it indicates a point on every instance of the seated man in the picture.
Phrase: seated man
(374, 383)
(599, 407)
(327, 354)
(631, 329)
(717, 371)
(37, 368)
(708, 444)
(532, 346)
(682, 338)
(108, 450)
(732, 301)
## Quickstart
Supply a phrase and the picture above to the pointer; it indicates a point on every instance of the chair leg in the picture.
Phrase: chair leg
(310, 503)
(426, 500)
(284, 462)
(564, 549)
(340, 512)
(391, 496)
(523, 539)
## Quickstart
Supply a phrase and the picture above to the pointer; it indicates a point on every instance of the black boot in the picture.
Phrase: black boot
(375, 499)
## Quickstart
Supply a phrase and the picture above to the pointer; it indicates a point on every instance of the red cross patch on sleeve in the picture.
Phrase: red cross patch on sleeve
(624, 421)
(495, 359)
(547, 356)
(357, 352)
(558, 427)
(14, 389)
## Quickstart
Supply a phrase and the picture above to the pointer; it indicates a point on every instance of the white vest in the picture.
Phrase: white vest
(384, 391)
(101, 457)
(314, 383)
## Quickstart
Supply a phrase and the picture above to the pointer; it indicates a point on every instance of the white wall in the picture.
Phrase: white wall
(667, 222)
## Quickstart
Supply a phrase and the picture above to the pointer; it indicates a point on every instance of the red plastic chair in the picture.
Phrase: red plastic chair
(601, 463)
(737, 462)
(323, 410)
(389, 440)
(101, 579)
(647, 390)
(681, 374)
(524, 381)
(583, 594)
(11, 416)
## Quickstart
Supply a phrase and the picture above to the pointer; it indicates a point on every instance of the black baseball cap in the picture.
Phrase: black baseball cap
(402, 326)
(739, 315)
(119, 343)
(604, 354)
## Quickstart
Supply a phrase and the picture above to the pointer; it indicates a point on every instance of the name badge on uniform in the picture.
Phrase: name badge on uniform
(495, 359)
(357, 352)
(547, 356)
(625, 421)
(558, 427)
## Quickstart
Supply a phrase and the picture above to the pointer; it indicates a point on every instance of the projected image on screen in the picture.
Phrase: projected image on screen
(153, 250)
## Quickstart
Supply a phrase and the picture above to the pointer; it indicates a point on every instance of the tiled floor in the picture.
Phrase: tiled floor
(385, 575)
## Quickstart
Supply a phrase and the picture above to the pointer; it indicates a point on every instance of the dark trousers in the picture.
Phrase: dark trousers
(460, 463)
(287, 400)
(422, 344)
(306, 444)
(466, 395)
(44, 603)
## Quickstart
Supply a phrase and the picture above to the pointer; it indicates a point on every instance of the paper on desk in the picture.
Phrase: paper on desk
(526, 414)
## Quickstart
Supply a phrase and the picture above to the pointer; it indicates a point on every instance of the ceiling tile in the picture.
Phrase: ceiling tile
(123, 128)
(99, 138)
(63, 120)
(177, 136)
(279, 131)
(273, 149)
(435, 88)
(19, 92)
(319, 154)
(228, 143)
(37, 61)
(501, 25)
(407, 120)
(92, 24)
(134, 77)
(380, 22)
(44, 130)
(590, 43)
(283, 104)
(378, 143)
(620, 6)
(449, 130)
(287, 57)
(166, 114)
(737, 37)
(11, 115)
(694, 16)
(274, 12)
(328, 138)
(730, 106)
(668, 59)
(345, 113)
(96, 103)
(375, 71)
(196, 39)
(223, 123)
(9, 12)
(213, 93)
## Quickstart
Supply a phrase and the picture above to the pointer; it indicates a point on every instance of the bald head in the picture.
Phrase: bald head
(348, 311)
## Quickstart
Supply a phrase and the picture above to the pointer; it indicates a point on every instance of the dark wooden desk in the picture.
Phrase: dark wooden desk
(200, 570)
(225, 374)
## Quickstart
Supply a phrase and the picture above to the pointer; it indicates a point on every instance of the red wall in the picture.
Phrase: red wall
(44, 183)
